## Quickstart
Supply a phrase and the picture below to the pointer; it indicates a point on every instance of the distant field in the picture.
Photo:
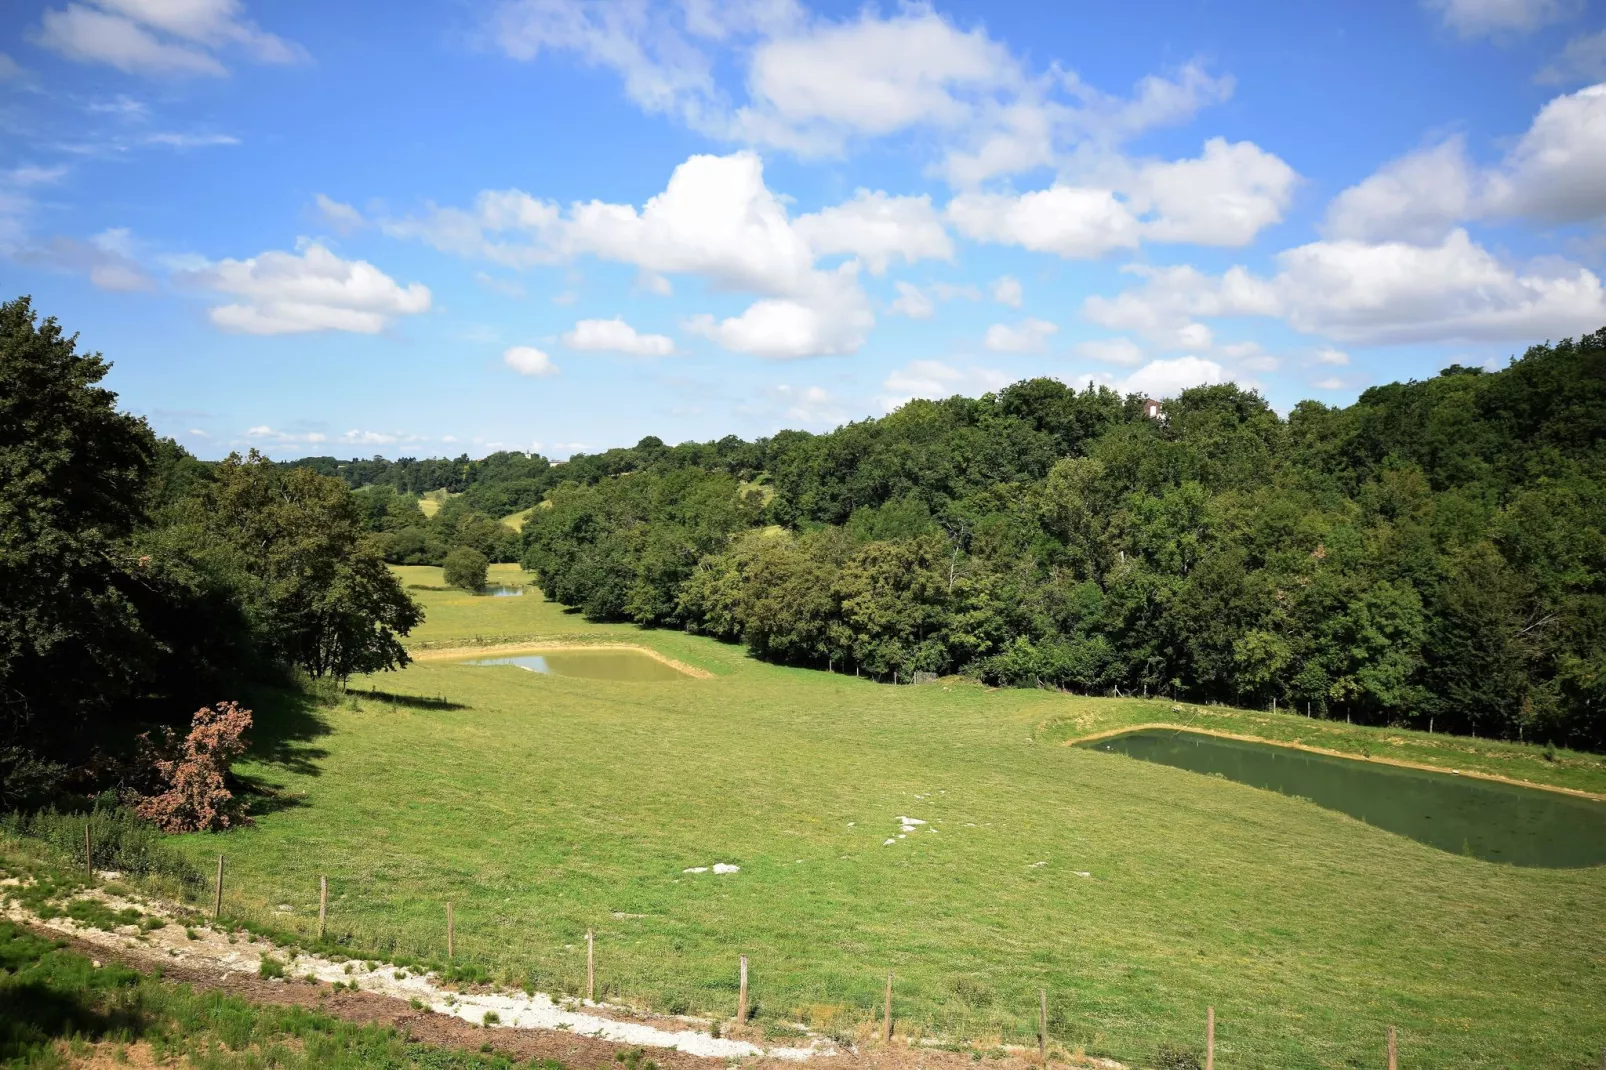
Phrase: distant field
(543, 806)
(516, 520)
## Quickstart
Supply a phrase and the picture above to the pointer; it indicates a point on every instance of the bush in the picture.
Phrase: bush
(1169, 1057)
(122, 841)
(466, 567)
(196, 799)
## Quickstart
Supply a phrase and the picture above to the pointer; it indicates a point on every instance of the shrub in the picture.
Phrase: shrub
(196, 799)
(466, 568)
(1169, 1057)
(270, 968)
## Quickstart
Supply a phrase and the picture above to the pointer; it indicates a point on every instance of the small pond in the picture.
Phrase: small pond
(1487, 819)
(631, 666)
(503, 591)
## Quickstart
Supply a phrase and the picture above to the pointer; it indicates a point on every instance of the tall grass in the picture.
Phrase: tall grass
(119, 840)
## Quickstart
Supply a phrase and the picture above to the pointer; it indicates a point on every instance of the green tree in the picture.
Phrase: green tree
(313, 583)
(465, 567)
(73, 484)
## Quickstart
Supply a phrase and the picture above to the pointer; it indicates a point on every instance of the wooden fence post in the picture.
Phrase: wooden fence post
(217, 905)
(741, 1001)
(591, 967)
(886, 1020)
(1210, 1038)
(1393, 1051)
(1042, 1024)
(323, 905)
(451, 935)
(89, 854)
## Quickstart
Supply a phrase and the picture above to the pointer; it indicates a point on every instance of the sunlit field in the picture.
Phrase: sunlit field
(1136, 894)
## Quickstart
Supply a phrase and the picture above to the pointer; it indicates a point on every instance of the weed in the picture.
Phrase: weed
(271, 968)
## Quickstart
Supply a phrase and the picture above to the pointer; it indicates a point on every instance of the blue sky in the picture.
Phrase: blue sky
(430, 228)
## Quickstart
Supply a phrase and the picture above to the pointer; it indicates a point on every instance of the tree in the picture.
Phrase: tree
(73, 474)
(194, 796)
(290, 544)
(465, 567)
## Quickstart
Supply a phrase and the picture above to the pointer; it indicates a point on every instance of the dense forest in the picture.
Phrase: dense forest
(137, 582)
(1433, 555)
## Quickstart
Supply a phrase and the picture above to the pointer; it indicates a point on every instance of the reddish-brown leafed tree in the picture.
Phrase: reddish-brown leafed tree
(196, 798)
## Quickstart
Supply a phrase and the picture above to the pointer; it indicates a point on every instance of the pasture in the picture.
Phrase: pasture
(1136, 894)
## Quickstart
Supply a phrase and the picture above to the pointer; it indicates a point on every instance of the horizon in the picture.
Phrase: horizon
(547, 225)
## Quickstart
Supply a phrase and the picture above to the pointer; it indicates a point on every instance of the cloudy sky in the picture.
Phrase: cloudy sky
(417, 227)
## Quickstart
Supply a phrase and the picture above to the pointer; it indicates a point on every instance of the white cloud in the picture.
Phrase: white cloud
(935, 380)
(190, 141)
(165, 37)
(287, 293)
(1332, 382)
(1476, 18)
(1335, 357)
(1168, 378)
(1582, 60)
(263, 432)
(815, 85)
(1557, 172)
(1111, 350)
(1372, 293)
(715, 218)
(912, 302)
(10, 69)
(341, 216)
(1027, 336)
(30, 175)
(1224, 197)
(617, 336)
(1418, 198)
(527, 360)
(831, 318)
(1553, 174)
(1006, 290)
(876, 228)
(947, 291)
(1072, 222)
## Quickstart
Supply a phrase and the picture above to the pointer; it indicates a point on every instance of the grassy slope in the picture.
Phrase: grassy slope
(545, 806)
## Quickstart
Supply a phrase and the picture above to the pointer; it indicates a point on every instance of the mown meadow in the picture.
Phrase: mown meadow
(1137, 895)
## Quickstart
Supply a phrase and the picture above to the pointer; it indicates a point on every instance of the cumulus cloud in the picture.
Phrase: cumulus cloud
(716, 219)
(266, 433)
(1225, 196)
(312, 290)
(1552, 174)
(876, 228)
(1027, 336)
(616, 336)
(1168, 378)
(1335, 357)
(528, 360)
(1006, 290)
(1479, 18)
(1364, 292)
(159, 37)
(936, 380)
(810, 406)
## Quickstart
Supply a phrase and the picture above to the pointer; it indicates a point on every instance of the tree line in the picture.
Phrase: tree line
(137, 583)
(1433, 555)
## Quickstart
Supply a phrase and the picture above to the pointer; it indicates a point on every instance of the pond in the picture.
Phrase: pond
(630, 666)
(503, 591)
(1486, 819)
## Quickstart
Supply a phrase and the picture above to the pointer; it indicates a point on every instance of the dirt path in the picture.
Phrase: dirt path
(577, 1033)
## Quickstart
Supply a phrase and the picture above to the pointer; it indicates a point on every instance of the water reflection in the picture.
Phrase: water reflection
(631, 666)
(1487, 819)
(503, 591)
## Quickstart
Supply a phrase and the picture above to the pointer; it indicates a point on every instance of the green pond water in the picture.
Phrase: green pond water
(1484, 818)
(630, 666)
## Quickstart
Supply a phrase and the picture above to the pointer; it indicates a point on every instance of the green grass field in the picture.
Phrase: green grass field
(544, 806)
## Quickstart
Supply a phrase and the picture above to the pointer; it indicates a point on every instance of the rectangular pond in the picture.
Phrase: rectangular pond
(630, 666)
(1486, 819)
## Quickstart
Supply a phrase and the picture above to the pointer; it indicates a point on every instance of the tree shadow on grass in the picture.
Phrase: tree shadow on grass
(285, 724)
(414, 702)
